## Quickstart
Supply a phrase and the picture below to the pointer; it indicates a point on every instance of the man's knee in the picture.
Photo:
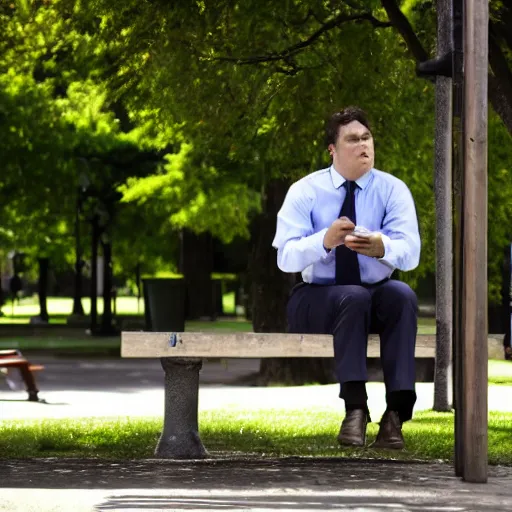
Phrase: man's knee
(400, 294)
(355, 298)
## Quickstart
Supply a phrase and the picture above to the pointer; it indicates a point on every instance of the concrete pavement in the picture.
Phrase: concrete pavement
(129, 387)
(244, 484)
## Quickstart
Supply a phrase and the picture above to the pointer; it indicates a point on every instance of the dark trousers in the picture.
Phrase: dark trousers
(350, 313)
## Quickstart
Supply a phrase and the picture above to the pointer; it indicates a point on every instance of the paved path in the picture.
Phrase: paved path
(135, 388)
(110, 387)
(245, 484)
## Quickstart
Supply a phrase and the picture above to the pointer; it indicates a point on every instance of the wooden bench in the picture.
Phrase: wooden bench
(13, 358)
(182, 353)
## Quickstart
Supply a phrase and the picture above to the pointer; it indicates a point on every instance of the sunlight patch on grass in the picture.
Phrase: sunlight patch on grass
(271, 433)
(59, 308)
(63, 306)
(500, 372)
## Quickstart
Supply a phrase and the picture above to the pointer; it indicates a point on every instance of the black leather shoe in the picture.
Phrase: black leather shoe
(390, 432)
(353, 428)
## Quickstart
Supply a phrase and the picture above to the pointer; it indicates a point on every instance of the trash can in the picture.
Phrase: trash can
(164, 304)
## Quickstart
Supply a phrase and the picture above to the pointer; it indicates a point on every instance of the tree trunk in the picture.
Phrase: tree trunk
(506, 298)
(138, 284)
(499, 102)
(246, 297)
(1, 291)
(42, 287)
(197, 267)
(94, 272)
(444, 232)
(270, 289)
(78, 308)
(106, 319)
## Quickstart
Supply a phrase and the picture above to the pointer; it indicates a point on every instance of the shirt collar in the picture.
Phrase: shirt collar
(338, 179)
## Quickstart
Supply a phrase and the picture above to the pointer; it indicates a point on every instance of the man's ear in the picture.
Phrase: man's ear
(331, 149)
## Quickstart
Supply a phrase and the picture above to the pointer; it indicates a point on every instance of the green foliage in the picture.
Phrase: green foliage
(500, 203)
(195, 195)
(58, 125)
(235, 94)
(252, 85)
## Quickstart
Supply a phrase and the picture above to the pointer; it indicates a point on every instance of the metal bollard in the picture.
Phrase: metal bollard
(180, 437)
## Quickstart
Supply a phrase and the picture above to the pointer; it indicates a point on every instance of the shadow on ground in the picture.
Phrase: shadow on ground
(285, 501)
(264, 484)
(245, 484)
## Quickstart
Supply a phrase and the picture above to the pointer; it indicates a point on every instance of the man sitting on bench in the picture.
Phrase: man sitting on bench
(346, 228)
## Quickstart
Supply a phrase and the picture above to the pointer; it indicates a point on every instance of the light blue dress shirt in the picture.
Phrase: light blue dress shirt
(383, 203)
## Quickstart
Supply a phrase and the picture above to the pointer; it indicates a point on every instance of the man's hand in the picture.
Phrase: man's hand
(371, 245)
(336, 234)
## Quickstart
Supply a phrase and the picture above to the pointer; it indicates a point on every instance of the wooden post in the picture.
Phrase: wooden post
(458, 163)
(474, 242)
(444, 228)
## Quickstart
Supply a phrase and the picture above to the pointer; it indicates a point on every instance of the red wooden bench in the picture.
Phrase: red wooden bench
(12, 358)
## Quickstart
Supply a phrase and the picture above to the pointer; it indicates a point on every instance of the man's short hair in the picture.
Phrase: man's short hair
(341, 118)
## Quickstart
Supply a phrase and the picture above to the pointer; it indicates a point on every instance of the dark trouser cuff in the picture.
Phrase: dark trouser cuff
(354, 392)
(355, 396)
(401, 402)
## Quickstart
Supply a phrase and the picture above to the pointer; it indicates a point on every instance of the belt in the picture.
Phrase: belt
(302, 284)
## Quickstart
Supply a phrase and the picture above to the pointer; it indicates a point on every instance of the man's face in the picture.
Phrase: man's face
(353, 153)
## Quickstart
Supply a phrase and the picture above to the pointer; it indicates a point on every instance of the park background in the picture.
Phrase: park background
(143, 141)
(166, 138)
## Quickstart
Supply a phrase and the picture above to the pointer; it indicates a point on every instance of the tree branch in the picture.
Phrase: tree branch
(499, 102)
(401, 23)
(300, 23)
(500, 82)
(499, 65)
(298, 47)
(501, 25)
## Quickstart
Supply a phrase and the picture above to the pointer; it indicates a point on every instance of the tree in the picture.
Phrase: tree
(420, 24)
(500, 47)
(250, 86)
(221, 40)
(56, 118)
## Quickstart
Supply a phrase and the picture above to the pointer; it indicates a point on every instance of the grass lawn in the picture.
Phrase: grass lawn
(500, 372)
(271, 433)
(55, 343)
(59, 308)
(83, 343)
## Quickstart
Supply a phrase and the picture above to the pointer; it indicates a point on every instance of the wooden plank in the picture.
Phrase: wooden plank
(13, 361)
(202, 344)
(254, 345)
(8, 352)
(474, 241)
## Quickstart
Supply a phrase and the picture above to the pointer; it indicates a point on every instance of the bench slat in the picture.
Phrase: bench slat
(142, 344)
(247, 344)
(13, 361)
(201, 344)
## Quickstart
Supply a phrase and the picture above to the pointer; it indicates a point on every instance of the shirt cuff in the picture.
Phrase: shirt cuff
(387, 251)
(319, 243)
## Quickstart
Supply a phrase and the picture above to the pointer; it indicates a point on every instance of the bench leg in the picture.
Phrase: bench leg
(30, 382)
(180, 437)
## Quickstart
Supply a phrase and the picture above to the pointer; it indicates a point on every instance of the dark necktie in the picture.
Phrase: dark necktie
(347, 265)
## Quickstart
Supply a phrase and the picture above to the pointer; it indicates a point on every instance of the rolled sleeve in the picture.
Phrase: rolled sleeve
(400, 232)
(298, 254)
(297, 244)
